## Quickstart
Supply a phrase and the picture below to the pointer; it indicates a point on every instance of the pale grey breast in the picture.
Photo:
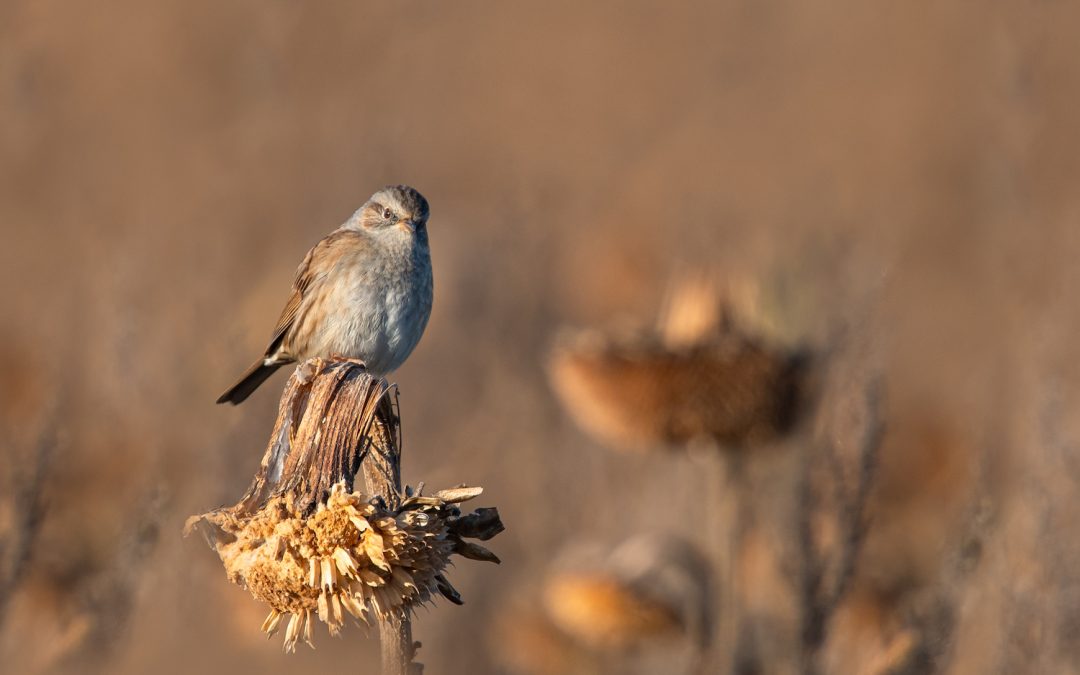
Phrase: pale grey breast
(378, 302)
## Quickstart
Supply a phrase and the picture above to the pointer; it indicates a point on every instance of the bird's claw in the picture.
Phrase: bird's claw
(347, 359)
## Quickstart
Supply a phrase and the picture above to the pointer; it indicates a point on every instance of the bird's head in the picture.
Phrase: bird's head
(395, 208)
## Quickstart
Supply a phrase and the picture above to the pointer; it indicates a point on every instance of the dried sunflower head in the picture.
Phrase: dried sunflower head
(605, 612)
(648, 588)
(733, 390)
(350, 557)
(702, 374)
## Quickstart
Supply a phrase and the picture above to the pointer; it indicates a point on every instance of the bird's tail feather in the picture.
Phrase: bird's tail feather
(249, 382)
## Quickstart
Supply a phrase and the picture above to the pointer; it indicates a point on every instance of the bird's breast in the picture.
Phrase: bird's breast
(381, 306)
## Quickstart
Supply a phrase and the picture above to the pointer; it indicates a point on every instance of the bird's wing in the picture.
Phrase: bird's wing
(307, 277)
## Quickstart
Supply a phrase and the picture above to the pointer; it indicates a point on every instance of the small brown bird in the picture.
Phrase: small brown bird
(364, 292)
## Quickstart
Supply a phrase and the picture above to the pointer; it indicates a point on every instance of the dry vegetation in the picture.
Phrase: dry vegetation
(899, 182)
(313, 544)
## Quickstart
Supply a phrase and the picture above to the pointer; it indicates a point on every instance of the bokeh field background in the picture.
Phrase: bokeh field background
(904, 173)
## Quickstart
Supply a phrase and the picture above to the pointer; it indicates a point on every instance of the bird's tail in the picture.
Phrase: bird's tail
(249, 382)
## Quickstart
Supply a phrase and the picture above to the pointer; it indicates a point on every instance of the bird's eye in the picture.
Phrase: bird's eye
(387, 213)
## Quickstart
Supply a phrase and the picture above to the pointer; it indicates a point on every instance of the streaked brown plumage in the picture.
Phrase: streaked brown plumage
(364, 292)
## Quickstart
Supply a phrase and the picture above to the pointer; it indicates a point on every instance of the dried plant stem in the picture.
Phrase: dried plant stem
(314, 547)
(28, 506)
(839, 489)
(395, 638)
(346, 418)
(382, 476)
(728, 485)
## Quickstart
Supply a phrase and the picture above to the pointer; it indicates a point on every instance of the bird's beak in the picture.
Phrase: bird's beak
(408, 225)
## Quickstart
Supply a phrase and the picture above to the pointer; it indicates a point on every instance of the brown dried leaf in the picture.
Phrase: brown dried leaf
(459, 494)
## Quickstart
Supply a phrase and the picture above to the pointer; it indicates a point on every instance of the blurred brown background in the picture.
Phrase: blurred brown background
(907, 171)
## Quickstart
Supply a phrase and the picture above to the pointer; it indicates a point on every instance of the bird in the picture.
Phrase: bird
(363, 293)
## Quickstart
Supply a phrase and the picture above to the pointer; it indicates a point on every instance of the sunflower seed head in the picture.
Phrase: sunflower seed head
(351, 555)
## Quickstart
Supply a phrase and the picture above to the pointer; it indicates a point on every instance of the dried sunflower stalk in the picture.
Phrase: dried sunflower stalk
(352, 557)
(309, 545)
